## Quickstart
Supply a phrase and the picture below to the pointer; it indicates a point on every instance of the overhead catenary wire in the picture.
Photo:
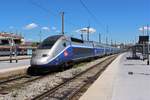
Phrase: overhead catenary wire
(57, 15)
(52, 13)
(43, 8)
(104, 27)
(91, 14)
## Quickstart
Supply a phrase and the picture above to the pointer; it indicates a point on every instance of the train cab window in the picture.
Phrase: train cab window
(49, 42)
(64, 44)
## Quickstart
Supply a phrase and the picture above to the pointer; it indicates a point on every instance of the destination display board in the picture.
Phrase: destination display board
(143, 39)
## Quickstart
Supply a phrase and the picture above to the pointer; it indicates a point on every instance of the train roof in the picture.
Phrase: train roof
(77, 40)
(55, 36)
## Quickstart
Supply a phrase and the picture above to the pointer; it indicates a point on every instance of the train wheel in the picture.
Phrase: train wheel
(64, 66)
(30, 71)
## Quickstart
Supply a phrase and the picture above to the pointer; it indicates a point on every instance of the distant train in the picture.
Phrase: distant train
(59, 51)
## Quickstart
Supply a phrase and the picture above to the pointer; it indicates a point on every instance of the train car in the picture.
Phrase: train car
(99, 49)
(59, 51)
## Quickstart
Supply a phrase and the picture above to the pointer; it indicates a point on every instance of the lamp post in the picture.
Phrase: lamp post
(148, 45)
(99, 38)
(82, 36)
(40, 36)
(62, 22)
(88, 33)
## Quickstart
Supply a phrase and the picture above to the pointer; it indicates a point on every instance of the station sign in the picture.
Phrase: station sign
(143, 39)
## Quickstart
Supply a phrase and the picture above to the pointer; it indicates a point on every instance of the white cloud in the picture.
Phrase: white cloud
(45, 28)
(29, 39)
(144, 28)
(85, 30)
(77, 31)
(31, 26)
(11, 27)
(140, 29)
(92, 30)
(54, 28)
(57, 31)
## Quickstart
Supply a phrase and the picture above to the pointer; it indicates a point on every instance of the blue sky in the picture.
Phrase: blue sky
(123, 17)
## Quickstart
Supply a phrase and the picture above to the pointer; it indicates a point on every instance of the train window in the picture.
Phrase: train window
(49, 42)
(64, 44)
(82, 51)
(76, 40)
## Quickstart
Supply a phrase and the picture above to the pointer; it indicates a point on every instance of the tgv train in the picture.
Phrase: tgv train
(59, 50)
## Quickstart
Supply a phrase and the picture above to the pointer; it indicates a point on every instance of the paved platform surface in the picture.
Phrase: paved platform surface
(117, 84)
(9, 69)
(4, 65)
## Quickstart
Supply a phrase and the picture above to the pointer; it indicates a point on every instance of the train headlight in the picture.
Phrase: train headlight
(44, 55)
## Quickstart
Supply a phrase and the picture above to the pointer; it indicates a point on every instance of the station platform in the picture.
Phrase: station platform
(122, 80)
(7, 69)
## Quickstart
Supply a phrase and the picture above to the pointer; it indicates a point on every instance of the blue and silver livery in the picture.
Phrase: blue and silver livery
(58, 50)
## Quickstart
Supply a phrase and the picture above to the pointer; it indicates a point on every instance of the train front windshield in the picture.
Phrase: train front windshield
(49, 42)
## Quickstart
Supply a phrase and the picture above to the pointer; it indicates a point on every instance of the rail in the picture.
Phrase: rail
(55, 91)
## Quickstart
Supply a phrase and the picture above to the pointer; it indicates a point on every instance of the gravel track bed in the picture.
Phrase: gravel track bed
(67, 90)
(7, 86)
(42, 85)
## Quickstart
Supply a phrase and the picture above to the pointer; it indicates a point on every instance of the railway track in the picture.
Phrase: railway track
(72, 88)
(6, 85)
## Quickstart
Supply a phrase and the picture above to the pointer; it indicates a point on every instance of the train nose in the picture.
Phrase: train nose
(39, 59)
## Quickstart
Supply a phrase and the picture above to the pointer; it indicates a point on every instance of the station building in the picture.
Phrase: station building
(9, 41)
(7, 38)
